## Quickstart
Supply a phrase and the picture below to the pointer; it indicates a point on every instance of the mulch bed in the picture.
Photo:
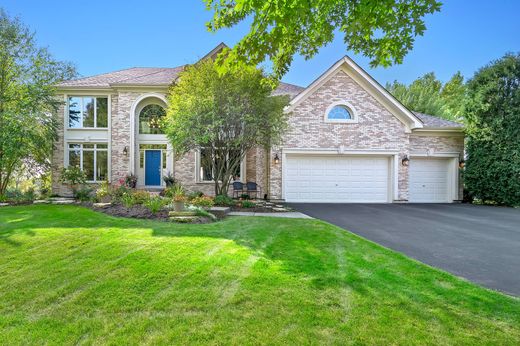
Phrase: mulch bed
(140, 212)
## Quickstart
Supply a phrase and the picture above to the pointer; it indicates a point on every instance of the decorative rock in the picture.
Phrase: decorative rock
(220, 212)
(279, 206)
(183, 219)
(182, 213)
(4, 204)
(41, 201)
(101, 205)
(280, 209)
(64, 201)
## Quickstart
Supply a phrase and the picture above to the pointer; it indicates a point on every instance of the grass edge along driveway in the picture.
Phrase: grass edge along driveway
(69, 275)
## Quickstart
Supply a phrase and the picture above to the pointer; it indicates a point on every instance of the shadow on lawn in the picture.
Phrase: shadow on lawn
(325, 256)
(9, 226)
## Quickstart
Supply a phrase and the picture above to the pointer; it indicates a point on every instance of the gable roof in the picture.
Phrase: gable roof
(155, 77)
(360, 76)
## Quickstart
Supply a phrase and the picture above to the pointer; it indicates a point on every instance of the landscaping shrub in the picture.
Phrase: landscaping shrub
(119, 192)
(224, 201)
(203, 202)
(103, 191)
(73, 176)
(247, 204)
(140, 196)
(18, 196)
(84, 193)
(169, 180)
(195, 194)
(155, 204)
(131, 181)
(492, 169)
(127, 200)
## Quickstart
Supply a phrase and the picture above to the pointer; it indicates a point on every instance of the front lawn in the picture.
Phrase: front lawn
(69, 275)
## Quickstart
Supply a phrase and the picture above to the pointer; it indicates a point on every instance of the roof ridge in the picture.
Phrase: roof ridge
(100, 74)
(161, 69)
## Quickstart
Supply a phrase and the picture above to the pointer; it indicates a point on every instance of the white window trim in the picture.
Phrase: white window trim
(95, 150)
(344, 103)
(82, 97)
(198, 166)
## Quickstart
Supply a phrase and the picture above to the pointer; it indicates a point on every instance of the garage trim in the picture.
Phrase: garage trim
(453, 172)
(392, 156)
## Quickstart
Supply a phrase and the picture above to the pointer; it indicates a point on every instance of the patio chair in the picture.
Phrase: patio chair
(251, 188)
(238, 189)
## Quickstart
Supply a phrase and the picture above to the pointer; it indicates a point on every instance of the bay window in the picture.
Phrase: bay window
(91, 158)
(88, 112)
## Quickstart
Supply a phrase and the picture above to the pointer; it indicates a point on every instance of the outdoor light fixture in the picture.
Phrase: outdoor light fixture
(462, 163)
(276, 159)
(405, 161)
(125, 151)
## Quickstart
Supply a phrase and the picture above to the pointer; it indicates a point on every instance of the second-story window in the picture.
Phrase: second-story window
(88, 112)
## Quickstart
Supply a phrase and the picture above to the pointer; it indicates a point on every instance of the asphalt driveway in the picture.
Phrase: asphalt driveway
(479, 243)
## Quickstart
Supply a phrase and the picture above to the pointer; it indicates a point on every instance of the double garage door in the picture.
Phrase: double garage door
(356, 179)
(336, 179)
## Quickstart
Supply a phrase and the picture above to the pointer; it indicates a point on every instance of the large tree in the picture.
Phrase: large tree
(384, 30)
(223, 116)
(492, 171)
(28, 74)
(429, 95)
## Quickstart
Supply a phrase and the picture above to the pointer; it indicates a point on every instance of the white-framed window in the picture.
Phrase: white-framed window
(340, 112)
(87, 112)
(150, 118)
(205, 167)
(91, 158)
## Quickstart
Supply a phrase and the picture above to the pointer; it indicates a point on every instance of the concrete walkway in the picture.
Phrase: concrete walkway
(288, 215)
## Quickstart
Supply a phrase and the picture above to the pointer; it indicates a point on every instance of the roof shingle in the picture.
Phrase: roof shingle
(436, 122)
(152, 76)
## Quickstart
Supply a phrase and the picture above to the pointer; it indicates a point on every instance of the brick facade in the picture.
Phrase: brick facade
(376, 129)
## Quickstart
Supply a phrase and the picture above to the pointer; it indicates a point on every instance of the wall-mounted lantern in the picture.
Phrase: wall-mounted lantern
(276, 159)
(405, 161)
(462, 163)
(125, 151)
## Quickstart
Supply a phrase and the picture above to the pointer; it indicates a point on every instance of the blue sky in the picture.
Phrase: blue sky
(102, 36)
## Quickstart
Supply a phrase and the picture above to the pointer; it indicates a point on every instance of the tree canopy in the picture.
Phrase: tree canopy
(429, 95)
(384, 31)
(28, 74)
(492, 171)
(223, 116)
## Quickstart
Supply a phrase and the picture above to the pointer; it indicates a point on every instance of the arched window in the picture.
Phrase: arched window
(150, 120)
(339, 113)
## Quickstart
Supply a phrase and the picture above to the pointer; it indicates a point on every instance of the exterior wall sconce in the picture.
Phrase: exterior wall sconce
(125, 151)
(462, 163)
(276, 159)
(405, 161)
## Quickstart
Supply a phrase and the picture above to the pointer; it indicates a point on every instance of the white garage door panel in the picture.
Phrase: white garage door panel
(336, 179)
(429, 180)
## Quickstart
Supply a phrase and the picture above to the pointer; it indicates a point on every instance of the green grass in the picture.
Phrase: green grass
(69, 275)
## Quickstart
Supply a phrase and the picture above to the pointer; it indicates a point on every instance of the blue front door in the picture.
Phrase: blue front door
(152, 174)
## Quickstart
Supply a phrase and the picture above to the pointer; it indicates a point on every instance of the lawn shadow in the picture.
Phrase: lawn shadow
(8, 226)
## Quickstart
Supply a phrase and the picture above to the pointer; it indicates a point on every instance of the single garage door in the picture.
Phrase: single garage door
(429, 180)
(336, 179)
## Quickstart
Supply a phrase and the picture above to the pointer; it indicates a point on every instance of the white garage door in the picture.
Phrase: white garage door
(336, 179)
(429, 180)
